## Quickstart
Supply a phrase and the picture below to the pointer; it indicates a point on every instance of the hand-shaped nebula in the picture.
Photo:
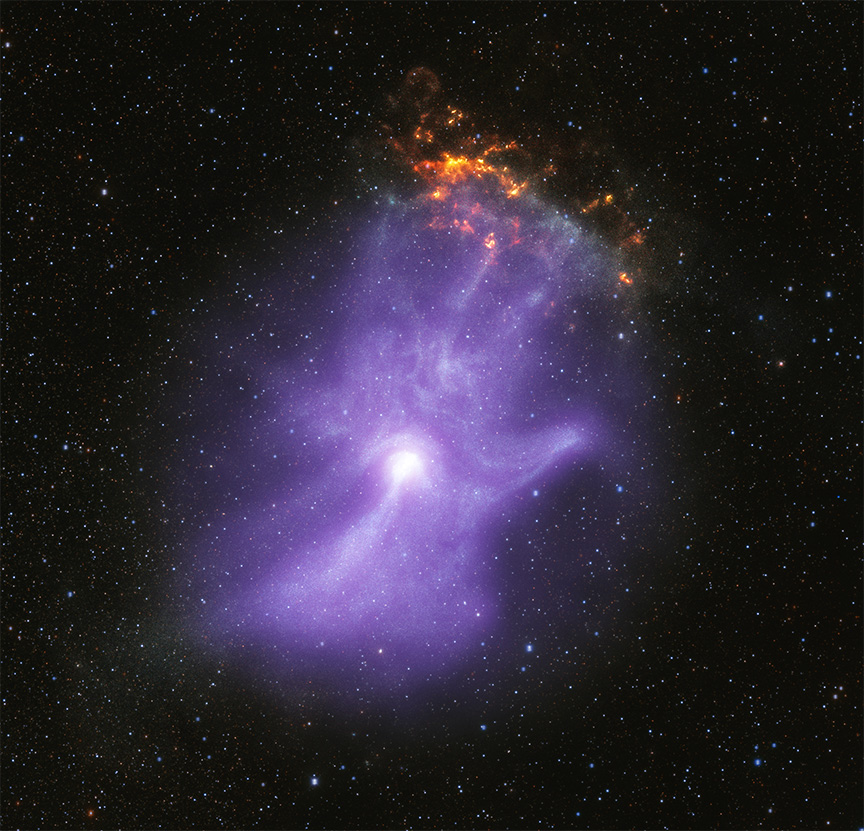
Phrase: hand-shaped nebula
(453, 386)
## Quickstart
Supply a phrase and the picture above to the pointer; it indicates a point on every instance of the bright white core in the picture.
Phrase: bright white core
(404, 465)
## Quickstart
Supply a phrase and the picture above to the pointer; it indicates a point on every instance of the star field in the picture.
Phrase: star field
(431, 415)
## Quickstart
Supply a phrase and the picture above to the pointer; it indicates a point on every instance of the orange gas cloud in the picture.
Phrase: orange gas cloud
(439, 143)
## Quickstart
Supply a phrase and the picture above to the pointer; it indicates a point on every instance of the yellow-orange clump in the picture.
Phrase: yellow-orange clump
(451, 169)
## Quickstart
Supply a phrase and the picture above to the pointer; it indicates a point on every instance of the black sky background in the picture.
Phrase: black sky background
(163, 162)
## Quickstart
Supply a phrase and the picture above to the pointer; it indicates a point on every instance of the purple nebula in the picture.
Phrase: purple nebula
(351, 531)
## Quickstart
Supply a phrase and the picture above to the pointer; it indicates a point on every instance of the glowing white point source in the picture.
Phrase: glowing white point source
(404, 466)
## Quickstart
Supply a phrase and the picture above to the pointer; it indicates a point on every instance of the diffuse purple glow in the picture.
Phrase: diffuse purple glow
(436, 411)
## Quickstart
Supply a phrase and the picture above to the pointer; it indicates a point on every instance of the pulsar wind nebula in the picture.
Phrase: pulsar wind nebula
(457, 388)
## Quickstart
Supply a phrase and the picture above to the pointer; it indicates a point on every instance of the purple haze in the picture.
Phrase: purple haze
(352, 529)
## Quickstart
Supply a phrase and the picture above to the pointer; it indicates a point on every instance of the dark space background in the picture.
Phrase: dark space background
(161, 162)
